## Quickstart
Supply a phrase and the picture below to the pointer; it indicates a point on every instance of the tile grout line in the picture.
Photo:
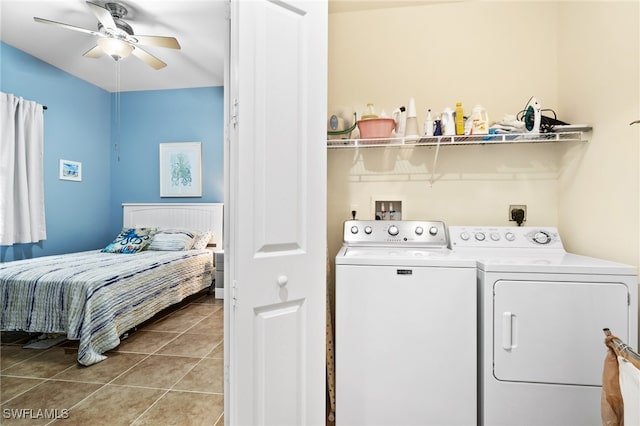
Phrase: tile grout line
(111, 382)
(104, 385)
(27, 359)
(177, 381)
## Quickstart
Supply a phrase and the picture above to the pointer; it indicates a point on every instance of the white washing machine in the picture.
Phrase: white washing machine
(541, 315)
(405, 342)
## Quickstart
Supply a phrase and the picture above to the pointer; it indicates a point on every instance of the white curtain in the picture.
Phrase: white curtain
(21, 171)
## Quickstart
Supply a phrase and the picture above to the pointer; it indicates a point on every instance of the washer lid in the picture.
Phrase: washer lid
(401, 256)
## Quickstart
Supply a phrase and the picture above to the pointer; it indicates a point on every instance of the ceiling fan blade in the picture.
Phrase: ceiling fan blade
(159, 41)
(67, 26)
(94, 52)
(147, 57)
(103, 15)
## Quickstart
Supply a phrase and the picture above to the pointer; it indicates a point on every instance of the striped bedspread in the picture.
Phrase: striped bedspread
(95, 297)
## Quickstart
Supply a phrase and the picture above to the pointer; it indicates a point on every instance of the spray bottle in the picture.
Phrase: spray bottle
(428, 124)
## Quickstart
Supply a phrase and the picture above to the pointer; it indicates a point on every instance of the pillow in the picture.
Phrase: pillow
(202, 240)
(173, 240)
(130, 240)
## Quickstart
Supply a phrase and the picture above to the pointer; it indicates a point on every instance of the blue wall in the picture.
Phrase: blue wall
(80, 125)
(77, 126)
(150, 118)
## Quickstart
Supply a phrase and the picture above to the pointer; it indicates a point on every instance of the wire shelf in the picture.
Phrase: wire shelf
(495, 139)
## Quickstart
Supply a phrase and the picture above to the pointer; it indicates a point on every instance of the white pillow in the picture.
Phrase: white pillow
(202, 240)
(172, 240)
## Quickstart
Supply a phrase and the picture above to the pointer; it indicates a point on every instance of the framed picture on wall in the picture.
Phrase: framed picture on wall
(180, 169)
(70, 170)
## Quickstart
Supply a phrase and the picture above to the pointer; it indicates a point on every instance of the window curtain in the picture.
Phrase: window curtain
(21, 171)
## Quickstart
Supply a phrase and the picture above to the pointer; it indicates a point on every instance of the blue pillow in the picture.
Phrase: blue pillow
(130, 240)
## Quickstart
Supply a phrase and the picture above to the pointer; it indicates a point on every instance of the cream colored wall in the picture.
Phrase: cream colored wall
(599, 83)
(473, 52)
(497, 54)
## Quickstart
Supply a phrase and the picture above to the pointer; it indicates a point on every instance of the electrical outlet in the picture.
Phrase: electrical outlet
(354, 211)
(513, 208)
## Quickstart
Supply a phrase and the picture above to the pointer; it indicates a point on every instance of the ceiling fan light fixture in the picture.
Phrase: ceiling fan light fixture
(114, 47)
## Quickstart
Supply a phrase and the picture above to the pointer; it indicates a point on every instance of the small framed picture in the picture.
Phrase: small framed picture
(70, 170)
(180, 169)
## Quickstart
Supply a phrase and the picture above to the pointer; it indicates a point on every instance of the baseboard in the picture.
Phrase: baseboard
(219, 293)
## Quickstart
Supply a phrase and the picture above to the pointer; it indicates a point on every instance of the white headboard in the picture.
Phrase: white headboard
(199, 216)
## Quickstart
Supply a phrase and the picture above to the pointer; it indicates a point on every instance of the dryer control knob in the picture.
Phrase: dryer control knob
(541, 237)
(433, 230)
(419, 230)
(510, 236)
(480, 236)
(495, 236)
(354, 229)
(393, 230)
(368, 230)
(464, 236)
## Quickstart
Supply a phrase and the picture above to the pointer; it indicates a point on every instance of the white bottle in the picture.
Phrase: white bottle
(448, 123)
(411, 130)
(400, 117)
(428, 124)
(369, 112)
(479, 121)
(392, 212)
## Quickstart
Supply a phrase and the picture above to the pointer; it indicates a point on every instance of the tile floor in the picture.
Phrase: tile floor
(168, 372)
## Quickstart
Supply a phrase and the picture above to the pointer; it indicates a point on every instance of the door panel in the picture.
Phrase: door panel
(280, 114)
(276, 324)
(551, 332)
(277, 213)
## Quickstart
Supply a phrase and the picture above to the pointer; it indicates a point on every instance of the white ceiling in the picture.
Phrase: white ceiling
(199, 26)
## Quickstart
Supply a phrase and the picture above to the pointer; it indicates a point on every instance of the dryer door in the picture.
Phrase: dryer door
(551, 332)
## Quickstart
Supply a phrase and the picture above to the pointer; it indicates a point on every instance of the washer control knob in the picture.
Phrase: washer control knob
(495, 236)
(464, 236)
(433, 230)
(419, 230)
(393, 230)
(480, 236)
(368, 230)
(541, 237)
(510, 236)
(354, 229)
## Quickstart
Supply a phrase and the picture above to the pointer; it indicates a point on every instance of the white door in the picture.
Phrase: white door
(276, 213)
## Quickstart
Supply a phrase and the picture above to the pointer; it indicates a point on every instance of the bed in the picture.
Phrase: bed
(96, 296)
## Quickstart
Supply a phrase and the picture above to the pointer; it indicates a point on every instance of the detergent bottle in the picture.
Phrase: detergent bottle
(459, 117)
(447, 122)
(479, 121)
(400, 117)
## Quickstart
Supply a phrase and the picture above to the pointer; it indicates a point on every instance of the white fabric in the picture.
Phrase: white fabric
(22, 218)
(630, 388)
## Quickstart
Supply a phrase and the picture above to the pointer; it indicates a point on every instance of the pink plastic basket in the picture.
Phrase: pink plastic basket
(375, 128)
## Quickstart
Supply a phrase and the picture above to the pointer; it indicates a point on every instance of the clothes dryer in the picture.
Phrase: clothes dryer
(405, 343)
(541, 315)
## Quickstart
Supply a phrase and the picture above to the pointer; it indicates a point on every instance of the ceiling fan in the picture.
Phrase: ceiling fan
(116, 37)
